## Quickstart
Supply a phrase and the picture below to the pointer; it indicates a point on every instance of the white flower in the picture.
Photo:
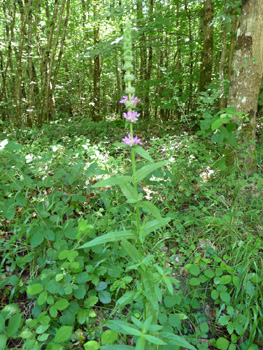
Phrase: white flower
(3, 144)
(29, 158)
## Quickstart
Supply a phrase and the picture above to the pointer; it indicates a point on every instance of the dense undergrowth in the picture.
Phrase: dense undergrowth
(56, 296)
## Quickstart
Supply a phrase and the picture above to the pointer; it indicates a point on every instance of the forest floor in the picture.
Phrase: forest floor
(211, 248)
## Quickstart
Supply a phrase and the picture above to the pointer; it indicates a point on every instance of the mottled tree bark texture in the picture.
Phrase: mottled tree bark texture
(208, 39)
(246, 76)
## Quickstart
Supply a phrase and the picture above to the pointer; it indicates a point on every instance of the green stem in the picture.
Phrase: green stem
(135, 184)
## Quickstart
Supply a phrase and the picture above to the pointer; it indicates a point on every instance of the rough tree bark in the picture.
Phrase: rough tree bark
(246, 76)
(208, 40)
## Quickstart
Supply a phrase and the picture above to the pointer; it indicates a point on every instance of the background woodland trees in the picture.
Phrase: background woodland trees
(64, 57)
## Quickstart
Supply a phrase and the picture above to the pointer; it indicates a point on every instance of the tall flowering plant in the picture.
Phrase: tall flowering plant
(152, 277)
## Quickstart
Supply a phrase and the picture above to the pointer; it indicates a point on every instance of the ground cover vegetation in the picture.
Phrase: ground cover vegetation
(131, 175)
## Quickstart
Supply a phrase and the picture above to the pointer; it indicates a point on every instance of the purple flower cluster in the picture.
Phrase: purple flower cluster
(131, 141)
(134, 100)
(131, 116)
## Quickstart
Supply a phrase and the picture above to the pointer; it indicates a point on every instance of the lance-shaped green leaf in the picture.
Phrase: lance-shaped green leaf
(148, 283)
(110, 237)
(131, 250)
(116, 180)
(148, 169)
(154, 340)
(152, 209)
(129, 191)
(132, 331)
(139, 150)
(153, 226)
(174, 339)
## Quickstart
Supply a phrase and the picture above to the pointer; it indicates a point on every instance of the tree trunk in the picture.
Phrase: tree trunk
(190, 99)
(150, 64)
(233, 31)
(96, 72)
(31, 109)
(246, 76)
(24, 17)
(208, 41)
(223, 100)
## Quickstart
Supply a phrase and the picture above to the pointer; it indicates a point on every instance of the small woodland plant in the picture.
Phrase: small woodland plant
(152, 278)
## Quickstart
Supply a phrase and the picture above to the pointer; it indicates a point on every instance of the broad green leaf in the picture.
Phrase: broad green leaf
(101, 286)
(13, 325)
(153, 225)
(104, 297)
(3, 340)
(63, 255)
(194, 270)
(92, 345)
(82, 315)
(139, 150)
(9, 213)
(36, 239)
(42, 328)
(116, 180)
(225, 279)
(131, 250)
(109, 336)
(43, 337)
(214, 294)
(110, 237)
(8, 311)
(152, 209)
(91, 301)
(129, 191)
(42, 298)
(194, 281)
(225, 297)
(21, 199)
(174, 339)
(61, 304)
(216, 124)
(53, 311)
(63, 334)
(13, 146)
(147, 169)
(35, 289)
(222, 343)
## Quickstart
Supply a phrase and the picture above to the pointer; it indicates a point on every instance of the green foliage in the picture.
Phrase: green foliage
(198, 247)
